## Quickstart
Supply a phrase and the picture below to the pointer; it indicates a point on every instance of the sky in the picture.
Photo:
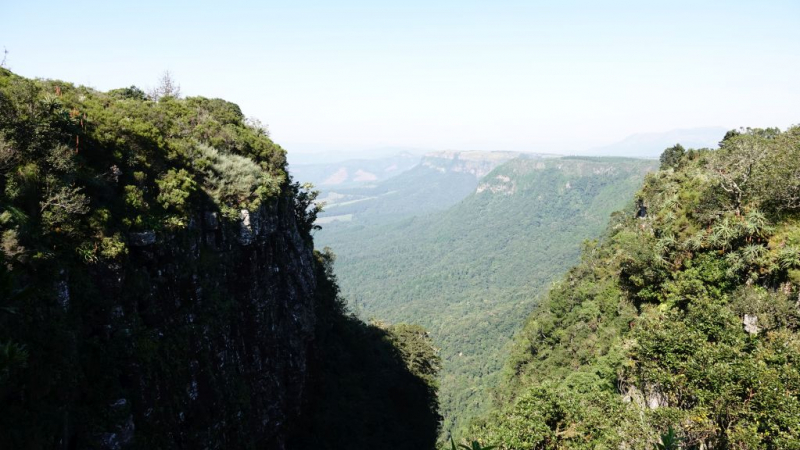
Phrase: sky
(539, 76)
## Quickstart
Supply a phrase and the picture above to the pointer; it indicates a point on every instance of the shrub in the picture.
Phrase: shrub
(60, 207)
(232, 180)
(175, 188)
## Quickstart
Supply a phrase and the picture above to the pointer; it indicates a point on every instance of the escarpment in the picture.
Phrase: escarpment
(159, 288)
(212, 327)
(158, 273)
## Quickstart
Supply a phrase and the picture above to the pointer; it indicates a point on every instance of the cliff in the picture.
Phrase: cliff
(154, 300)
(159, 284)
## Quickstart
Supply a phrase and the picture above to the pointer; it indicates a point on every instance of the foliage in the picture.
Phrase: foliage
(175, 188)
(306, 207)
(13, 355)
(668, 441)
(60, 207)
(474, 445)
(672, 156)
(683, 320)
(235, 180)
(81, 166)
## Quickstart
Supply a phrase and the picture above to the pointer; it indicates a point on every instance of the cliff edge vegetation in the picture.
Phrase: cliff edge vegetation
(159, 288)
(682, 321)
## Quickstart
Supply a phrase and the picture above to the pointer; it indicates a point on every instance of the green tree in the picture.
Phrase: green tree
(175, 189)
(671, 157)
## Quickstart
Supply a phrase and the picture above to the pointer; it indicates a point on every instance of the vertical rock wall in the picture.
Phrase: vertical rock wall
(204, 334)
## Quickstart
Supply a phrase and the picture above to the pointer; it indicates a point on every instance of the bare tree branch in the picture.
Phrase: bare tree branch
(167, 87)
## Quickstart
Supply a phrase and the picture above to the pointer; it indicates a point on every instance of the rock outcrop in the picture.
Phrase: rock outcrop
(216, 323)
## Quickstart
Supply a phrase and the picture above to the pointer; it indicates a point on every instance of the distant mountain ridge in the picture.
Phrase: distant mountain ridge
(650, 145)
(477, 163)
(440, 180)
(305, 154)
(353, 172)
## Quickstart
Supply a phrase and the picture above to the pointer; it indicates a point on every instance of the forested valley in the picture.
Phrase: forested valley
(470, 271)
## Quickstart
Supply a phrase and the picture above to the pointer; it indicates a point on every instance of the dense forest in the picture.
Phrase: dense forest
(680, 327)
(159, 288)
(470, 273)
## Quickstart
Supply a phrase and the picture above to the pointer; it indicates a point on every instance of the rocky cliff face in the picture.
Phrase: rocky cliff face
(209, 328)
(156, 273)
(245, 366)
(159, 289)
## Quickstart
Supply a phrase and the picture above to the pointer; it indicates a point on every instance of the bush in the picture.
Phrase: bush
(175, 188)
(230, 179)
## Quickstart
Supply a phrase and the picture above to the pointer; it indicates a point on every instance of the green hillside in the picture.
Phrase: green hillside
(469, 274)
(685, 319)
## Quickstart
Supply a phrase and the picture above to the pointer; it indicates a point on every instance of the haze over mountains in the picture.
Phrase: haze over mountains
(312, 154)
(650, 145)
(439, 180)
(340, 167)
(355, 171)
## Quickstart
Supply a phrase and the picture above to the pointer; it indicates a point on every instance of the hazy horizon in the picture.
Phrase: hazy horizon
(647, 145)
(357, 76)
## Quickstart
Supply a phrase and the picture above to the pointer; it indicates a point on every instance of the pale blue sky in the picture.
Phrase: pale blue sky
(537, 76)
